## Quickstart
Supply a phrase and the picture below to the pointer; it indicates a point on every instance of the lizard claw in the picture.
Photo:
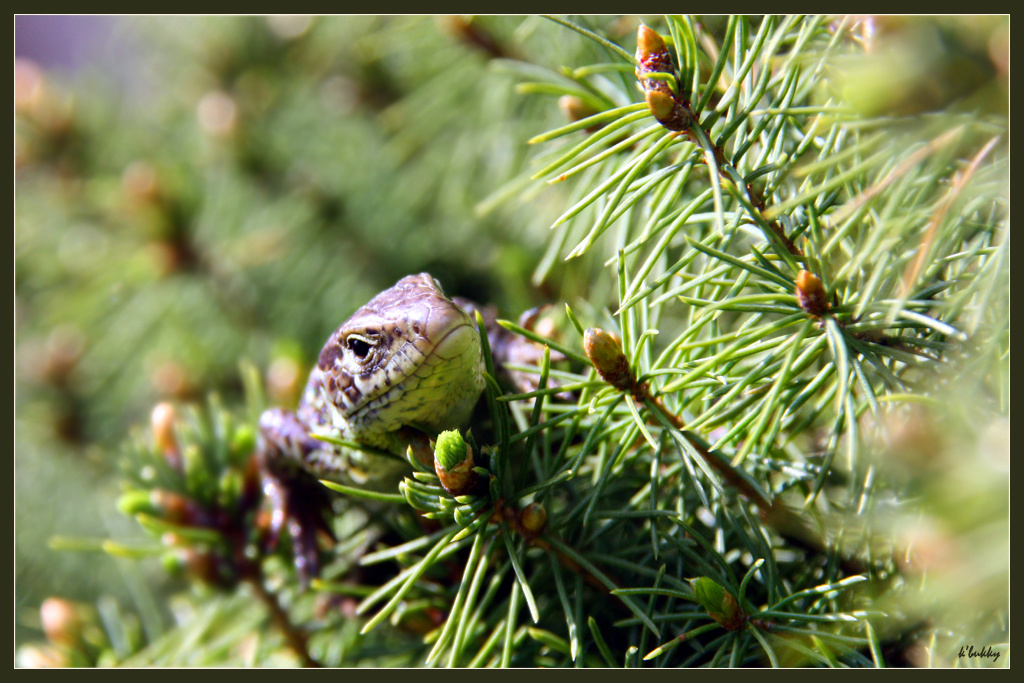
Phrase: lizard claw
(300, 510)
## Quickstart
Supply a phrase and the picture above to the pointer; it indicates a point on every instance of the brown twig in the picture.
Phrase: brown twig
(673, 110)
(605, 352)
(512, 518)
(960, 181)
(776, 514)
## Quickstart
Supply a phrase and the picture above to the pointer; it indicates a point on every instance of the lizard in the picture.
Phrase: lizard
(404, 367)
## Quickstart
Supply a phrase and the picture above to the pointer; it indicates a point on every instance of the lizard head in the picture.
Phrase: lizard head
(409, 358)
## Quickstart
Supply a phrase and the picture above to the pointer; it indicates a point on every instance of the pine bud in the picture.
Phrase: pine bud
(660, 104)
(170, 378)
(135, 502)
(42, 657)
(575, 108)
(172, 507)
(652, 57)
(62, 621)
(243, 441)
(64, 349)
(810, 294)
(720, 604)
(140, 183)
(648, 42)
(453, 462)
(231, 487)
(162, 420)
(668, 112)
(285, 380)
(671, 109)
(29, 86)
(450, 450)
(533, 518)
(605, 351)
(217, 114)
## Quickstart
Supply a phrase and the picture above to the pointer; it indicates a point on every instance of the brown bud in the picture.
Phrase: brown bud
(605, 351)
(42, 657)
(810, 294)
(284, 380)
(162, 420)
(652, 57)
(648, 42)
(731, 617)
(173, 507)
(533, 518)
(62, 621)
(667, 110)
(140, 183)
(206, 567)
(472, 33)
(64, 348)
(29, 86)
(575, 108)
(660, 104)
(217, 114)
(171, 379)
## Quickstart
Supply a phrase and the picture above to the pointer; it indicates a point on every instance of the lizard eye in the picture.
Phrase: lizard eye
(358, 346)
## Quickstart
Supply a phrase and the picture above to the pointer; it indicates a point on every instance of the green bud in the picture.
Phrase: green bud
(196, 474)
(720, 604)
(231, 484)
(133, 502)
(450, 449)
(243, 442)
(173, 562)
(708, 593)
(453, 463)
